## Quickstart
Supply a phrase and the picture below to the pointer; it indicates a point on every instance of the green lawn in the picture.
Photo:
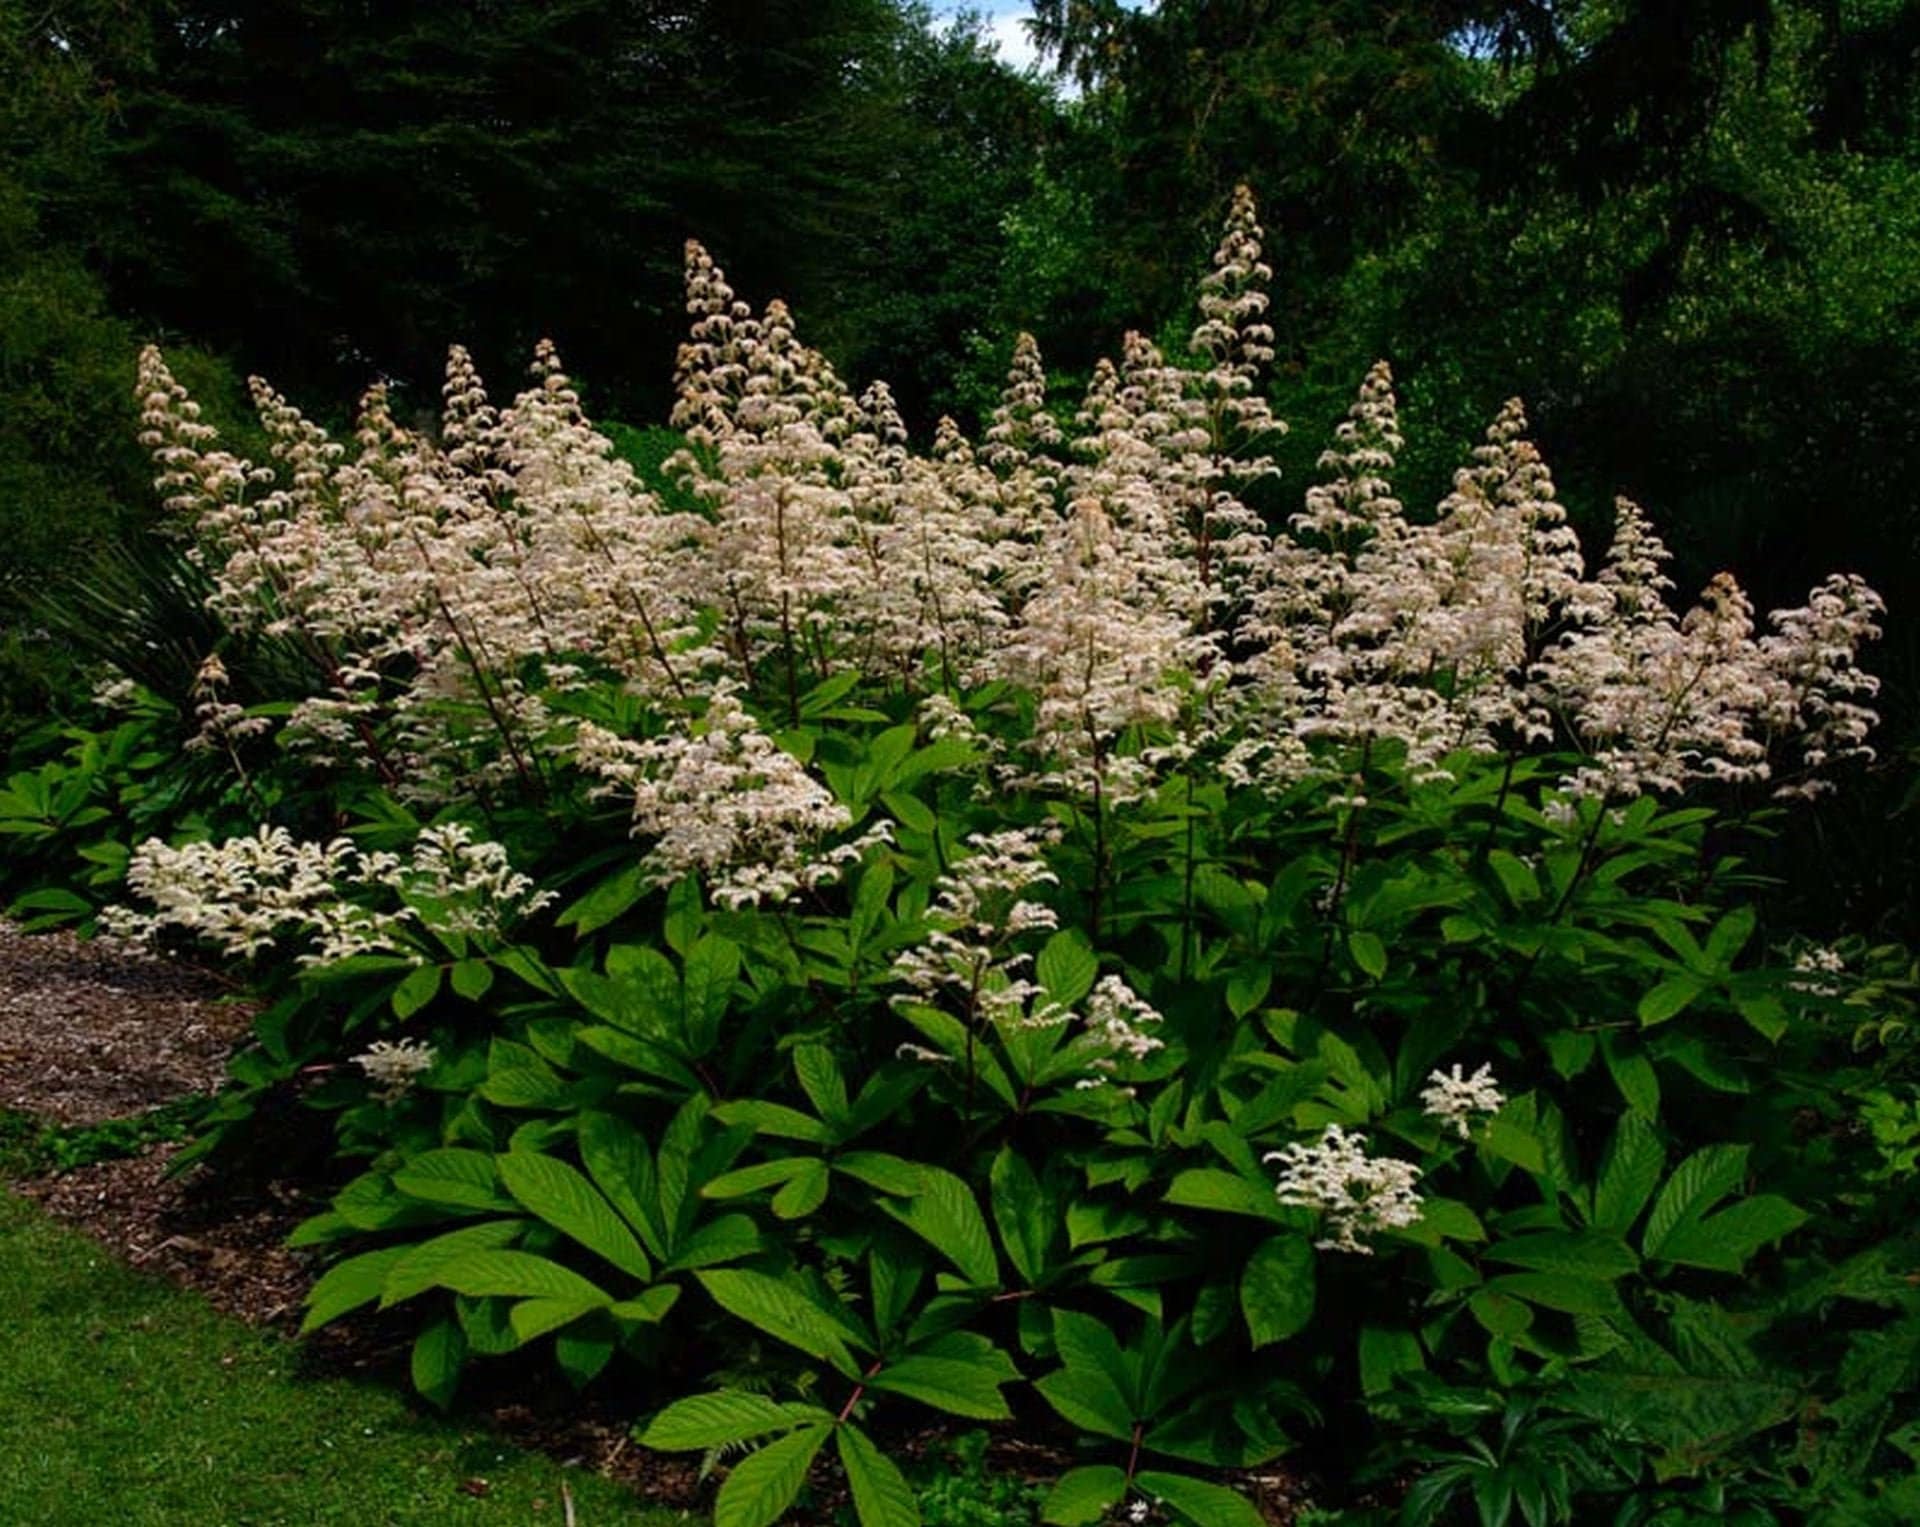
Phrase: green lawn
(127, 1401)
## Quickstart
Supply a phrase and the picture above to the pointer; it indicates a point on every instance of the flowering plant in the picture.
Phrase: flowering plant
(1020, 913)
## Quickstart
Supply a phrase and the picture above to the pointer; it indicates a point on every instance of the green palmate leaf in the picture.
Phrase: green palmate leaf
(757, 1178)
(1725, 1240)
(702, 1421)
(416, 991)
(1090, 1400)
(782, 1311)
(820, 1079)
(1671, 996)
(1067, 967)
(618, 1161)
(1517, 878)
(1569, 1293)
(439, 1353)
(881, 1494)
(419, 1269)
(1082, 1497)
(530, 1319)
(1633, 1074)
(773, 1119)
(648, 1307)
(1276, 1289)
(956, 1385)
(945, 1214)
(1697, 1184)
(1369, 952)
(1384, 1354)
(878, 1170)
(1023, 1213)
(561, 1196)
(1629, 1172)
(455, 1178)
(725, 1239)
(517, 1274)
(607, 900)
(713, 965)
(805, 1191)
(762, 1488)
(472, 979)
(1202, 1504)
(1577, 1253)
(583, 1355)
(348, 1285)
(1208, 1188)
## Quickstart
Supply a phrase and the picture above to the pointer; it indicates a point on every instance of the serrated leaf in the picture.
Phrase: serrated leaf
(1090, 1401)
(1082, 1497)
(773, 1119)
(1724, 1241)
(1566, 1292)
(420, 987)
(518, 1274)
(881, 1494)
(1629, 1172)
(1369, 952)
(1021, 1210)
(348, 1285)
(1670, 997)
(439, 1353)
(701, 1421)
(530, 1319)
(761, 1488)
(1697, 1184)
(1198, 1502)
(820, 1079)
(560, 1195)
(1581, 1254)
(805, 1191)
(617, 1160)
(1517, 878)
(1384, 1354)
(457, 1178)
(582, 1355)
(1224, 1192)
(418, 1270)
(607, 900)
(781, 1311)
(1277, 1289)
(1247, 988)
(959, 1387)
(945, 1214)
(472, 979)
(756, 1178)
(1633, 1073)
(1067, 967)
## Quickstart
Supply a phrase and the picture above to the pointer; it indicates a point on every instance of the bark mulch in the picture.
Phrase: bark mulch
(89, 1034)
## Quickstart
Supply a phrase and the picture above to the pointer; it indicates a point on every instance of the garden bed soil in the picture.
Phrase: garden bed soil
(88, 1033)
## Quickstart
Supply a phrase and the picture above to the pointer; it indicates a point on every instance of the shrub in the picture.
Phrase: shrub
(1087, 953)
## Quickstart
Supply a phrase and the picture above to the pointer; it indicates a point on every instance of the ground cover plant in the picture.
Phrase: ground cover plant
(830, 935)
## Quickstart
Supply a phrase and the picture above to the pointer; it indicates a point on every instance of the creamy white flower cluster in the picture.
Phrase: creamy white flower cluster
(1358, 1195)
(721, 797)
(245, 895)
(980, 908)
(1114, 571)
(1819, 965)
(1455, 1098)
(394, 1066)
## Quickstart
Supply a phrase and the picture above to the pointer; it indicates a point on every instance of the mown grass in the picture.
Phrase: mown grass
(129, 1402)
